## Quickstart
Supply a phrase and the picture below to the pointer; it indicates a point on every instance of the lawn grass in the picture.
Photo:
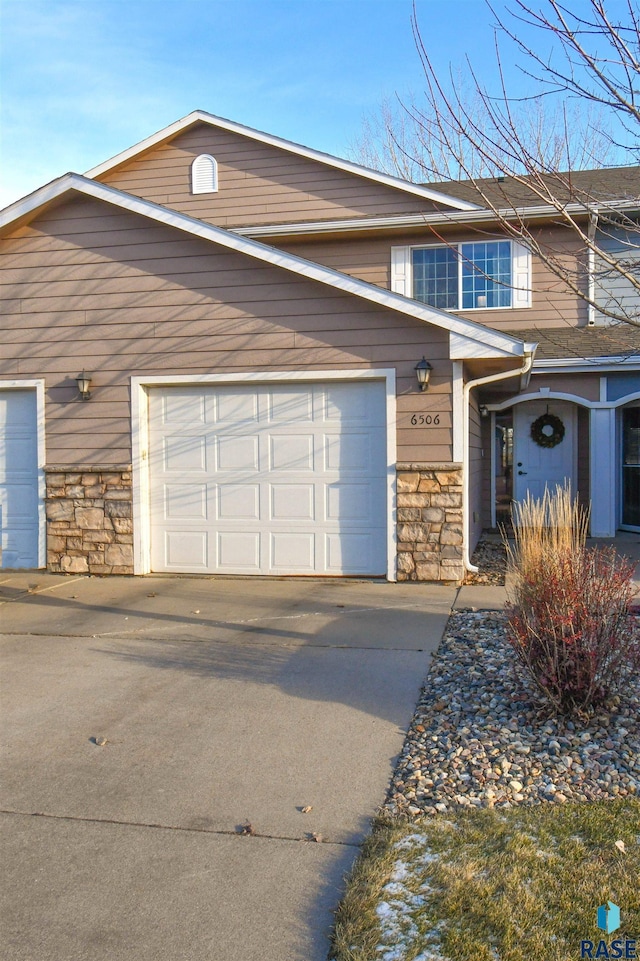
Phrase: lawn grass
(521, 884)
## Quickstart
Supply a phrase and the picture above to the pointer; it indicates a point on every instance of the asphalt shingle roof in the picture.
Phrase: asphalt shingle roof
(621, 340)
(603, 185)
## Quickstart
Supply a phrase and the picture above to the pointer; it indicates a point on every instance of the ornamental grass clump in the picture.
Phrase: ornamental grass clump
(568, 612)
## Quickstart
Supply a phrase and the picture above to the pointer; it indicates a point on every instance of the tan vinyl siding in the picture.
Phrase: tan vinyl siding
(148, 299)
(586, 386)
(258, 183)
(370, 259)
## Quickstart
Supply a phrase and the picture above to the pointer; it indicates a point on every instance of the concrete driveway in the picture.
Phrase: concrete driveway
(223, 703)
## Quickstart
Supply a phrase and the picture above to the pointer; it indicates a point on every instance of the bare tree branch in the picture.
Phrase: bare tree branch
(583, 68)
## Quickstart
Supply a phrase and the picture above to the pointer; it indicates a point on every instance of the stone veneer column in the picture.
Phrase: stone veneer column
(89, 520)
(430, 522)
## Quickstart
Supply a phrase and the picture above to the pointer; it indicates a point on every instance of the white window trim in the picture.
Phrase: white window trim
(37, 385)
(140, 442)
(402, 273)
(214, 171)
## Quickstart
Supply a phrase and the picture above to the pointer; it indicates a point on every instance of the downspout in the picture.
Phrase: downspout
(591, 269)
(522, 372)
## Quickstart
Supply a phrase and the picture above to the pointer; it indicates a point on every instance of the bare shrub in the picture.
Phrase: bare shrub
(568, 618)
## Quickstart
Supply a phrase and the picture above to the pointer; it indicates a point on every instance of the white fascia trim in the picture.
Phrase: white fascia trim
(140, 441)
(482, 337)
(347, 224)
(200, 116)
(584, 364)
(466, 348)
(428, 218)
(38, 198)
(38, 385)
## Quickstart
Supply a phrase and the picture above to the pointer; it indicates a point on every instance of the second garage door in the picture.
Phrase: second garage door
(19, 479)
(269, 479)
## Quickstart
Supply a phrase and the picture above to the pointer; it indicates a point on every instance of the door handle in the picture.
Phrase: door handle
(522, 472)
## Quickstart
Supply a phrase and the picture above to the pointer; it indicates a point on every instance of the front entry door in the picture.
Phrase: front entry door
(536, 467)
(631, 467)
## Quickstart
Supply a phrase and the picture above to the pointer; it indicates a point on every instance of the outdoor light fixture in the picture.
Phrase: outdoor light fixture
(423, 372)
(83, 381)
(484, 410)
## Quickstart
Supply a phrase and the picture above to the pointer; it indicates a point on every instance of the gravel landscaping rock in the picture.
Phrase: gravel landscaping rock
(490, 557)
(482, 737)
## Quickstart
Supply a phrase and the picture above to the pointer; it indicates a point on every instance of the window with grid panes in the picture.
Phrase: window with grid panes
(464, 276)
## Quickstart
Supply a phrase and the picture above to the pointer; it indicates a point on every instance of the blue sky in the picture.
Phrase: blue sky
(83, 79)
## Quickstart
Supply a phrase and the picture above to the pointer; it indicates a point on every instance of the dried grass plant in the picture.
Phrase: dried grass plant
(546, 531)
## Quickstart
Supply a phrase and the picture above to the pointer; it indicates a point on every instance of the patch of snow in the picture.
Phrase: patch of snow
(394, 888)
(384, 910)
(400, 871)
(394, 954)
(428, 857)
(411, 841)
(401, 905)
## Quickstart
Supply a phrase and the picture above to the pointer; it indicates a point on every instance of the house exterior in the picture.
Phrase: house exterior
(251, 314)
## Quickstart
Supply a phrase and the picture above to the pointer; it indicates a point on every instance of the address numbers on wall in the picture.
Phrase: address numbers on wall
(425, 420)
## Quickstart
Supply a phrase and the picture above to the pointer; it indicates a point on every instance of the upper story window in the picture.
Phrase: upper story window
(204, 175)
(483, 275)
(613, 287)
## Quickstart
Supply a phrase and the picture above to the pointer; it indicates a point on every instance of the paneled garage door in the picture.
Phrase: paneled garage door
(19, 478)
(269, 479)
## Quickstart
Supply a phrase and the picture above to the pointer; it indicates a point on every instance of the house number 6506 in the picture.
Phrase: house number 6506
(426, 419)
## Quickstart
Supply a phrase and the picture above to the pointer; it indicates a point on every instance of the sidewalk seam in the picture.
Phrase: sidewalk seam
(171, 827)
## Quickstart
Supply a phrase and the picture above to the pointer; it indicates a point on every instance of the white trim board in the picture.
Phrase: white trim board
(399, 221)
(579, 365)
(545, 394)
(457, 427)
(140, 442)
(201, 116)
(484, 341)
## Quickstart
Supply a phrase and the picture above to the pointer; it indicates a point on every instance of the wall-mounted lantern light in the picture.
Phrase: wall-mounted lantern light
(84, 382)
(484, 410)
(423, 372)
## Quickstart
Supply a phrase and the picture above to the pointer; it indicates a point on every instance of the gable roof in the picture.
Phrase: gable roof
(200, 116)
(604, 185)
(464, 334)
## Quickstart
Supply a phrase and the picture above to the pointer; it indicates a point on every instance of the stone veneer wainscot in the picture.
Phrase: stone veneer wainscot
(430, 522)
(89, 520)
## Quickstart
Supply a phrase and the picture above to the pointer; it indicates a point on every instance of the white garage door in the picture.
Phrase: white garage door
(269, 479)
(18, 478)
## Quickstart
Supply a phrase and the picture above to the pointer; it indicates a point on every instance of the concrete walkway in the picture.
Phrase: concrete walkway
(222, 703)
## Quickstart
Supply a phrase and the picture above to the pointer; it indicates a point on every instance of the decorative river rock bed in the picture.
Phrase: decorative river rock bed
(482, 737)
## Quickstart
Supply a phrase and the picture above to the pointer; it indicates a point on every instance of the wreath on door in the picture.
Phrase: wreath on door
(547, 430)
